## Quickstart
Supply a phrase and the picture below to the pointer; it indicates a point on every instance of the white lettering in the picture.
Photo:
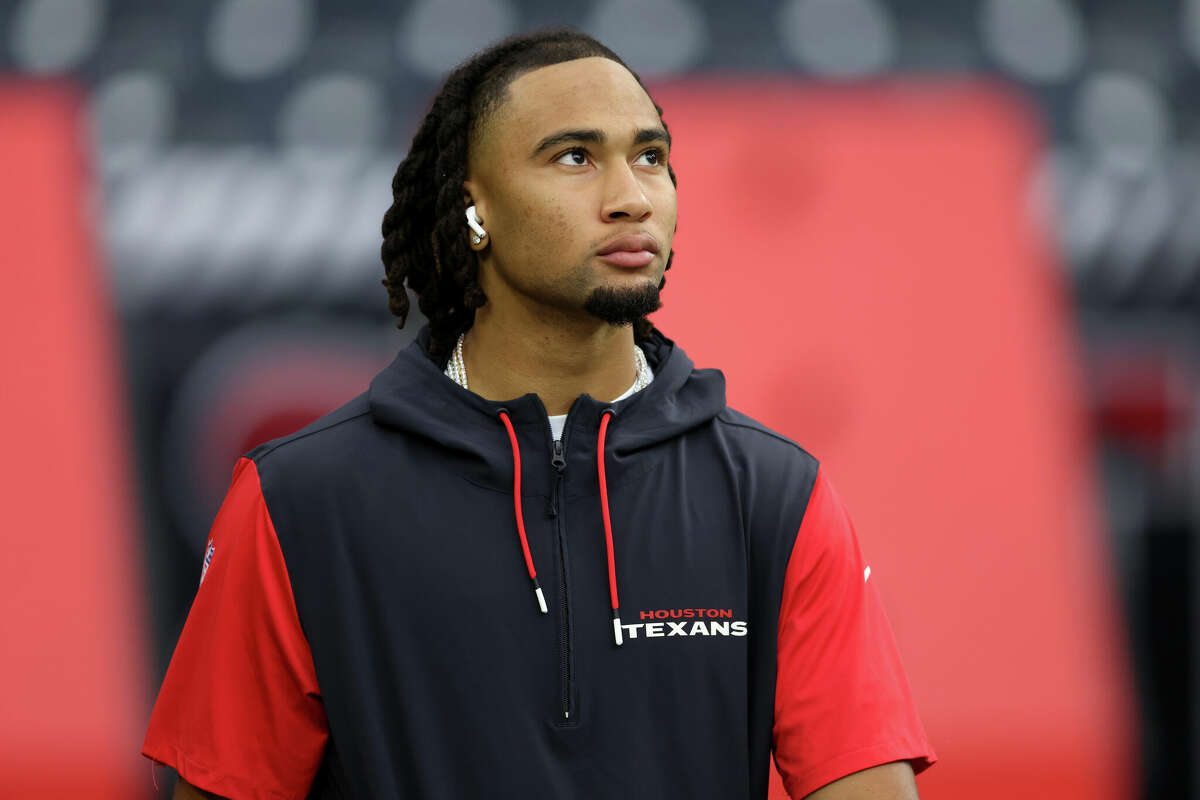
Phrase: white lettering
(655, 630)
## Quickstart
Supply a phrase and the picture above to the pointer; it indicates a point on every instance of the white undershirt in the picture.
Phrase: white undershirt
(558, 421)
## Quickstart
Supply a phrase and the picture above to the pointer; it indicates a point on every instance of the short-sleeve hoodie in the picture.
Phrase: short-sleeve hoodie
(422, 595)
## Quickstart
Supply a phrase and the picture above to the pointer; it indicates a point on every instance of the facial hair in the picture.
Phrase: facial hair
(623, 306)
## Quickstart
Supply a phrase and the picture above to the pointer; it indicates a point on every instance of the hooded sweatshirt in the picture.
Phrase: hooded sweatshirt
(423, 595)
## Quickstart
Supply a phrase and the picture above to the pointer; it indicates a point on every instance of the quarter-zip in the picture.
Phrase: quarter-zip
(558, 461)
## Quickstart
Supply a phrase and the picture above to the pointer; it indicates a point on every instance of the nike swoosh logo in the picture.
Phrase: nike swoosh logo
(866, 574)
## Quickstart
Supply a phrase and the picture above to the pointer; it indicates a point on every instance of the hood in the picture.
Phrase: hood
(413, 395)
(488, 438)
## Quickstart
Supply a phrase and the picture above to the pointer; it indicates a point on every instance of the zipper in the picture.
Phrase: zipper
(558, 462)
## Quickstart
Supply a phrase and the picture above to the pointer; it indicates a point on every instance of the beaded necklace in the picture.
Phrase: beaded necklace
(456, 369)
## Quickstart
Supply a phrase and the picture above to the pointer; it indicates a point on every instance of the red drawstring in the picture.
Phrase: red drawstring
(612, 567)
(516, 451)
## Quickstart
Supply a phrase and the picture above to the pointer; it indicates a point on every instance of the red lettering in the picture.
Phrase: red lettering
(687, 613)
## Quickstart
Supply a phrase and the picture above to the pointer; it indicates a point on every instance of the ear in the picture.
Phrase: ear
(473, 195)
(472, 198)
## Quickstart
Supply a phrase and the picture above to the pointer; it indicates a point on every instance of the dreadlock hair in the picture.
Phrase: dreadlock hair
(424, 231)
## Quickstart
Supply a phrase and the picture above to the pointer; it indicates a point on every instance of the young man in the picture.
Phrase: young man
(539, 557)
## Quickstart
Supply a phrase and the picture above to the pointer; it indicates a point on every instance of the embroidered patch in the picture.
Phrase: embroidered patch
(696, 622)
(208, 554)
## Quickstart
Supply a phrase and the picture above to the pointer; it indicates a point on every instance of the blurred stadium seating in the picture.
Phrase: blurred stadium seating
(242, 152)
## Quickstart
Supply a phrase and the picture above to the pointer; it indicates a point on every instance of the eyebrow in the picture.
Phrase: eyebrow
(597, 136)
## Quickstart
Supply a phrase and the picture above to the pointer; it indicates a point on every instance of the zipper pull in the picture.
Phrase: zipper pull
(559, 462)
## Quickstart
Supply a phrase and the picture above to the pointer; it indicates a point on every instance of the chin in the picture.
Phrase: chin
(624, 303)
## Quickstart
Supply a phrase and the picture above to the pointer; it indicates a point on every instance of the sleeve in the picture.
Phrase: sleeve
(239, 712)
(842, 700)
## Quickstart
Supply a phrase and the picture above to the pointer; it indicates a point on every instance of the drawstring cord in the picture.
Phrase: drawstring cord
(612, 567)
(608, 540)
(516, 451)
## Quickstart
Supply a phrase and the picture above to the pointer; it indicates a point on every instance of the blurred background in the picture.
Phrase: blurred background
(968, 233)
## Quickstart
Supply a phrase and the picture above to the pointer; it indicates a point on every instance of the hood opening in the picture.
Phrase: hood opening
(414, 397)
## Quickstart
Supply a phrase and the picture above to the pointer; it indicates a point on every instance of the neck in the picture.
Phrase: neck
(510, 352)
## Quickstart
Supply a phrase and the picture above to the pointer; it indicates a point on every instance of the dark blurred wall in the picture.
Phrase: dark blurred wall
(244, 152)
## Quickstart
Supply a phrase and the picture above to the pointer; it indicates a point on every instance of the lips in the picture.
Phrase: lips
(631, 242)
(630, 250)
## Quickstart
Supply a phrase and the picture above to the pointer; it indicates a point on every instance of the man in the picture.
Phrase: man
(540, 556)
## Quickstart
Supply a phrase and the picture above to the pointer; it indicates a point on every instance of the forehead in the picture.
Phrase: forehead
(592, 92)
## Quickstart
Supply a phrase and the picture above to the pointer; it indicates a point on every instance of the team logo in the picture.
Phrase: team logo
(664, 622)
(208, 554)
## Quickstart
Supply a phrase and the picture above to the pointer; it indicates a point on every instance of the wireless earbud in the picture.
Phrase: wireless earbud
(473, 222)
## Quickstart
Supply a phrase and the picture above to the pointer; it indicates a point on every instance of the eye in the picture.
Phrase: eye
(575, 157)
(655, 156)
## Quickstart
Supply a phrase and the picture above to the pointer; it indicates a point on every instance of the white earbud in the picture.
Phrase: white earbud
(473, 222)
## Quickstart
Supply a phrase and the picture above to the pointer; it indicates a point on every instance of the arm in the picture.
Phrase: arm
(892, 781)
(240, 710)
(845, 718)
(185, 791)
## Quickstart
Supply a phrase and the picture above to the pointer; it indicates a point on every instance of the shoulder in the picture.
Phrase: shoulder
(759, 441)
(770, 465)
(325, 442)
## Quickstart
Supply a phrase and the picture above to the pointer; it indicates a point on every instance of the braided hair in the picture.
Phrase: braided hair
(424, 231)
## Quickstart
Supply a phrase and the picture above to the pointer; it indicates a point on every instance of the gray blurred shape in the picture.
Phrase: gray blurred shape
(656, 38)
(250, 39)
(1140, 232)
(838, 38)
(1190, 30)
(1041, 41)
(1123, 118)
(336, 110)
(203, 230)
(52, 36)
(132, 109)
(435, 35)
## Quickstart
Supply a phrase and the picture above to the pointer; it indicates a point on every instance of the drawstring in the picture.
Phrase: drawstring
(512, 438)
(612, 566)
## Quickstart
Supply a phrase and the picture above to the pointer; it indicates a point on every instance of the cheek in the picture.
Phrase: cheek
(544, 230)
(664, 202)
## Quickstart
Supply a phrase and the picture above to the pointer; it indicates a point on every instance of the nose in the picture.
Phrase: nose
(624, 198)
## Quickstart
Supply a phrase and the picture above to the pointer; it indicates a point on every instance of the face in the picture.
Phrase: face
(573, 162)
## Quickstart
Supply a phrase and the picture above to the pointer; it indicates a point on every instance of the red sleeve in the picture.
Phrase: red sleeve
(239, 712)
(842, 701)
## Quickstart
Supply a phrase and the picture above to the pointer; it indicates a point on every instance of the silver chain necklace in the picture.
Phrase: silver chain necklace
(456, 369)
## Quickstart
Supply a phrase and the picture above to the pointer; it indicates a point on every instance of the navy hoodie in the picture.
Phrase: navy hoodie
(422, 595)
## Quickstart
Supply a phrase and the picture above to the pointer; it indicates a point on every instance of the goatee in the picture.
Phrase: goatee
(623, 306)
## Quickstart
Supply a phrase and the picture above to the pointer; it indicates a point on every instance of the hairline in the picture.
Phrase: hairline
(496, 98)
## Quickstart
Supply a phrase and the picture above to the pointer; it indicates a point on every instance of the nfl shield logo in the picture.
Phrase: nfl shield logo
(207, 560)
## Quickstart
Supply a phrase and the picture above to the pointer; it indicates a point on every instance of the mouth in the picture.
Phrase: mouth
(631, 259)
(631, 250)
